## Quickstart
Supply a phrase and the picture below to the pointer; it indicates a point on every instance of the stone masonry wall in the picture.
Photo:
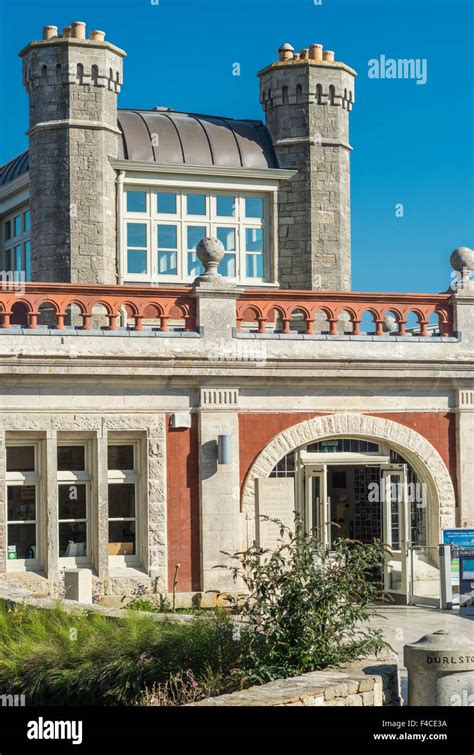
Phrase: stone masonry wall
(362, 684)
(73, 88)
(307, 113)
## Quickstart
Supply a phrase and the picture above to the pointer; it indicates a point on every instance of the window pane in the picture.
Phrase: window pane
(166, 203)
(253, 207)
(227, 266)
(72, 501)
(27, 253)
(254, 266)
(120, 457)
(21, 541)
(71, 458)
(122, 540)
(225, 206)
(195, 234)
(194, 265)
(254, 239)
(196, 204)
(20, 458)
(72, 539)
(136, 201)
(26, 221)
(17, 225)
(227, 236)
(167, 263)
(121, 500)
(18, 260)
(136, 261)
(167, 237)
(136, 234)
(7, 230)
(21, 503)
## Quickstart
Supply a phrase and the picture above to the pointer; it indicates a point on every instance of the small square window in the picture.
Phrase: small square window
(167, 263)
(20, 458)
(253, 207)
(227, 237)
(194, 234)
(225, 206)
(196, 204)
(72, 501)
(136, 234)
(167, 237)
(137, 261)
(136, 201)
(166, 203)
(71, 458)
(120, 457)
(254, 239)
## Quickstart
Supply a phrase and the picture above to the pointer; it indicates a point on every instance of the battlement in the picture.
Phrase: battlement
(311, 76)
(70, 58)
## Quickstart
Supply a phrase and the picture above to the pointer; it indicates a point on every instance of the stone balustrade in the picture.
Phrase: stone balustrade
(337, 313)
(63, 305)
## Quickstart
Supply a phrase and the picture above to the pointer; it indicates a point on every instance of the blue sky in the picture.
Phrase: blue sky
(413, 144)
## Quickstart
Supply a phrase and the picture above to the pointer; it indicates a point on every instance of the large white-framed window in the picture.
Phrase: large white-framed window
(74, 501)
(23, 483)
(163, 225)
(16, 254)
(124, 502)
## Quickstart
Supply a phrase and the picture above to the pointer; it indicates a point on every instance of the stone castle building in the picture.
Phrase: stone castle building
(186, 353)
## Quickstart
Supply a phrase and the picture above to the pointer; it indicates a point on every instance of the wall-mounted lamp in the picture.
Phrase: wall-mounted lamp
(224, 449)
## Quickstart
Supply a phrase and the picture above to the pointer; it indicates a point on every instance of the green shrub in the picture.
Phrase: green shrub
(59, 657)
(305, 607)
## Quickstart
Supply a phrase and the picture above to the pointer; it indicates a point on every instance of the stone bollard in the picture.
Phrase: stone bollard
(78, 585)
(440, 670)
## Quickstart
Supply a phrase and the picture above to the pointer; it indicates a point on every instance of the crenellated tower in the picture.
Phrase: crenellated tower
(72, 83)
(307, 98)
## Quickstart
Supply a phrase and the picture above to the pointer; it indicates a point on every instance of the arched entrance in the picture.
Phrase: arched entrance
(371, 478)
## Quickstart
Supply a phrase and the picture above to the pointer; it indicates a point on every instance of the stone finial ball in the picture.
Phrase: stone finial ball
(462, 257)
(210, 250)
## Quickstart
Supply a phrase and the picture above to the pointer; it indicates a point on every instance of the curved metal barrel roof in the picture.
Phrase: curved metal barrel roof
(14, 168)
(168, 137)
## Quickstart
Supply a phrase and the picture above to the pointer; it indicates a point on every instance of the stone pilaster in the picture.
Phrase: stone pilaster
(156, 545)
(3, 508)
(220, 515)
(465, 456)
(50, 487)
(100, 519)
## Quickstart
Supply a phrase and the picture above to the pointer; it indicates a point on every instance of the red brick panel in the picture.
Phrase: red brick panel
(257, 430)
(183, 507)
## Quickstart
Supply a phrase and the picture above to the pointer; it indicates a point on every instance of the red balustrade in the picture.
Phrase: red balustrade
(60, 304)
(335, 312)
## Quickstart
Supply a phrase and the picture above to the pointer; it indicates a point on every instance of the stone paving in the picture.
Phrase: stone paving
(403, 625)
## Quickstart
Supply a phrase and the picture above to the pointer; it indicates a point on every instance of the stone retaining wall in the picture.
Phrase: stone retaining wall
(368, 683)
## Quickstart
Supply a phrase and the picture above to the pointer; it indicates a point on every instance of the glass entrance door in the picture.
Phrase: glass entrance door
(317, 513)
(396, 529)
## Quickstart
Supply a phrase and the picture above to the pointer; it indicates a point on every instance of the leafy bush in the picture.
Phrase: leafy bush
(67, 658)
(305, 607)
